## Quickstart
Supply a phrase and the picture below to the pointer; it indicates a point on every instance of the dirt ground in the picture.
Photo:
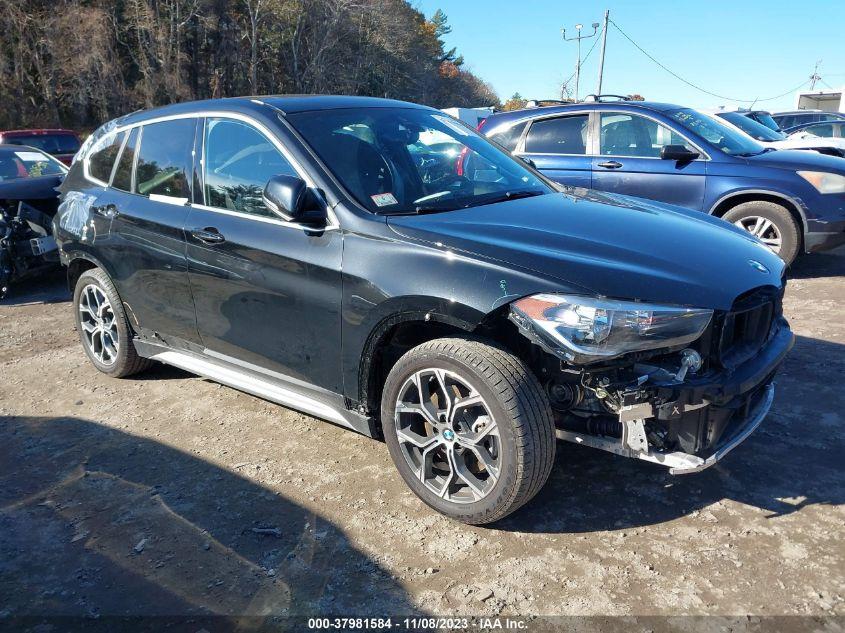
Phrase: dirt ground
(169, 494)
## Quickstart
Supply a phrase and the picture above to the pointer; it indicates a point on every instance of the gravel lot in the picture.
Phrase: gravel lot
(169, 494)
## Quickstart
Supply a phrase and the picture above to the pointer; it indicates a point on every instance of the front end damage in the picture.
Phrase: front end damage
(685, 405)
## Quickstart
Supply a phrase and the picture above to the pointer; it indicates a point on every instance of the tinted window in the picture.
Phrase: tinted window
(102, 156)
(751, 127)
(239, 161)
(164, 160)
(510, 137)
(830, 117)
(123, 173)
(25, 162)
(51, 143)
(561, 135)
(632, 135)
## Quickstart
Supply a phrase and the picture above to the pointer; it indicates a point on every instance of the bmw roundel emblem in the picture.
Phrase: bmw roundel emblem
(757, 266)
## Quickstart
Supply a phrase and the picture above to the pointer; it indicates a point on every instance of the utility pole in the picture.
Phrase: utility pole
(578, 37)
(603, 47)
(815, 76)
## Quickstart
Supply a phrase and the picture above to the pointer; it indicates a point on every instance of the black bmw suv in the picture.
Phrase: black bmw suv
(337, 256)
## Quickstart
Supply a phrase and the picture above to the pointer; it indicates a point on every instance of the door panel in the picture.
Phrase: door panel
(629, 162)
(269, 294)
(558, 146)
(146, 244)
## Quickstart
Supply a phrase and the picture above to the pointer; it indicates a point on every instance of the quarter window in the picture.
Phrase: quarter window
(123, 172)
(102, 156)
(635, 136)
(239, 161)
(165, 159)
(561, 135)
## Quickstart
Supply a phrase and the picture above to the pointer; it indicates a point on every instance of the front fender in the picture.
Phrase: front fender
(387, 281)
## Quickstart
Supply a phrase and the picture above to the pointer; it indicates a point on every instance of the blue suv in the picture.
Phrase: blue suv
(793, 201)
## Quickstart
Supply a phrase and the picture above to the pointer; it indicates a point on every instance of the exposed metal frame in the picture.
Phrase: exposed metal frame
(679, 463)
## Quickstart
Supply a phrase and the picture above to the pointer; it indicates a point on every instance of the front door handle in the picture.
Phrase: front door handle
(107, 210)
(610, 164)
(208, 235)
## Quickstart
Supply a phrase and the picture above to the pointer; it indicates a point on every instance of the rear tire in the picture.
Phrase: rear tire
(103, 328)
(771, 222)
(484, 450)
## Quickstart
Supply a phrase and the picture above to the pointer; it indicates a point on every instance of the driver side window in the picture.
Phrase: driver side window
(238, 162)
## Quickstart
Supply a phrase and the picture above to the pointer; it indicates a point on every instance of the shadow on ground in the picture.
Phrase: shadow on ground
(792, 461)
(826, 264)
(94, 521)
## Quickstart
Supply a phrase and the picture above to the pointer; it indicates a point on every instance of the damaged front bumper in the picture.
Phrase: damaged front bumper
(679, 463)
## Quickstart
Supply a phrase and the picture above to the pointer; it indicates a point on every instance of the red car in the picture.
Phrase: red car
(62, 144)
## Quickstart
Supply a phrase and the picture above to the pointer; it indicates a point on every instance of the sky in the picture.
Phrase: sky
(740, 50)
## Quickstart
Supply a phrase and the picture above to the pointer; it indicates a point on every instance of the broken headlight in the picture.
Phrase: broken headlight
(586, 329)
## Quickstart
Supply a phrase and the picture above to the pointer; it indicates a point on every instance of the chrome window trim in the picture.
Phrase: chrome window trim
(645, 116)
(268, 220)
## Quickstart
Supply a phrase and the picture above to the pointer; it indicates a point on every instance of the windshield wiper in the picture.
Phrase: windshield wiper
(507, 195)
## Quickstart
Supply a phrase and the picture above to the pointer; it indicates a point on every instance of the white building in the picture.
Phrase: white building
(827, 100)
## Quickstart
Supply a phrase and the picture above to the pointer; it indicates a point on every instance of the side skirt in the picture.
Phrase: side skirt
(260, 382)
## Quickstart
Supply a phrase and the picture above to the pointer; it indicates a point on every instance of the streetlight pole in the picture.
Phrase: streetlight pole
(578, 37)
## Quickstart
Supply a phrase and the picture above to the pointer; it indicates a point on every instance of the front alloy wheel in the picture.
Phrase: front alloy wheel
(469, 428)
(448, 436)
(763, 229)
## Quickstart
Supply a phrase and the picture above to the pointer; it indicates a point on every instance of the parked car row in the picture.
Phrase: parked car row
(793, 201)
(382, 266)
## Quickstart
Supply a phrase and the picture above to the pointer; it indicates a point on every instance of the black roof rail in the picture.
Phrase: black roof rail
(539, 103)
(605, 96)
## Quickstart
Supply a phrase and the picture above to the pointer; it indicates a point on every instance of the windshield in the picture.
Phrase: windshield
(766, 119)
(405, 160)
(721, 136)
(751, 127)
(27, 162)
(52, 143)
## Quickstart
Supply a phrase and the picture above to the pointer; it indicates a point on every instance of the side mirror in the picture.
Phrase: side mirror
(677, 153)
(291, 199)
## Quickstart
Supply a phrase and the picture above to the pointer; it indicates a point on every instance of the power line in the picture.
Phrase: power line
(699, 88)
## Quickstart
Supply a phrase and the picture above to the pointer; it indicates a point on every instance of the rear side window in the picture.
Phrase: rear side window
(510, 137)
(239, 160)
(561, 135)
(165, 159)
(123, 172)
(102, 156)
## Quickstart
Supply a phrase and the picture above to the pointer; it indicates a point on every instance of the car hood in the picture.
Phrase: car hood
(610, 245)
(794, 160)
(41, 188)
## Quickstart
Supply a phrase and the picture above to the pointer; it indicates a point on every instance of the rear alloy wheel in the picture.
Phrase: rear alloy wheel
(103, 327)
(469, 428)
(771, 223)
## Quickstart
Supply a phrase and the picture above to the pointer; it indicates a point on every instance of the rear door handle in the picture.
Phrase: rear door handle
(208, 235)
(610, 164)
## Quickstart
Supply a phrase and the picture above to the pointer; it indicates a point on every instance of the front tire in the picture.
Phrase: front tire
(469, 428)
(103, 327)
(772, 223)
